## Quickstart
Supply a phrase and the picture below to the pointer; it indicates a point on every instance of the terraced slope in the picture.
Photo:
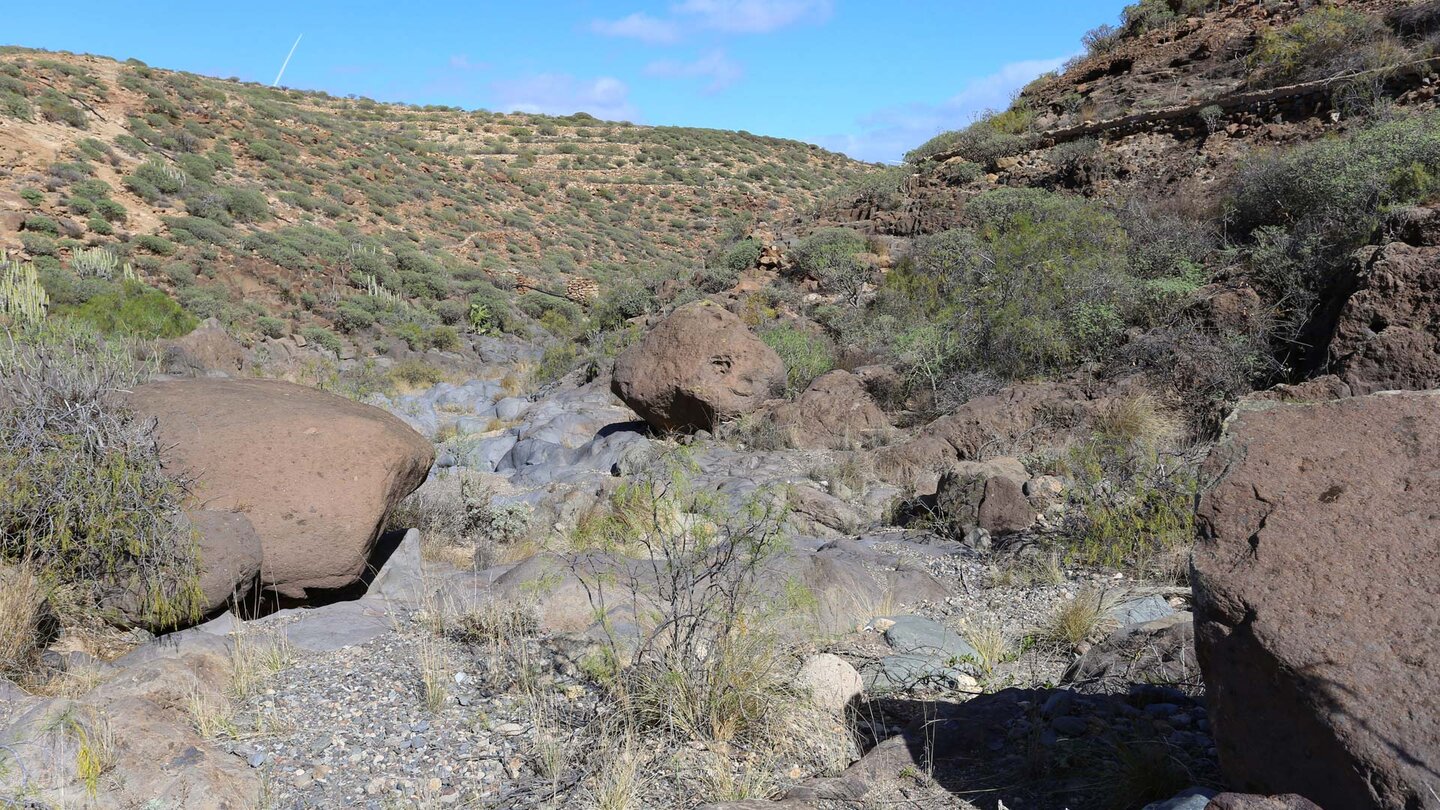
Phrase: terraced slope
(246, 202)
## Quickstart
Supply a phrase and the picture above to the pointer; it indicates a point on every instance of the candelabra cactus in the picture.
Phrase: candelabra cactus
(22, 298)
(97, 262)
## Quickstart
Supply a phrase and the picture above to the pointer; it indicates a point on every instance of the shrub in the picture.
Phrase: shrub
(416, 374)
(742, 256)
(110, 210)
(39, 223)
(98, 226)
(37, 244)
(806, 354)
(623, 301)
(58, 108)
(135, 310)
(271, 327)
(33, 196)
(983, 142)
(85, 500)
(707, 667)
(246, 204)
(1133, 498)
(324, 338)
(158, 245)
(1324, 42)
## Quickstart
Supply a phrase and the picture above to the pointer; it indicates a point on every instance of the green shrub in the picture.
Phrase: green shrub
(137, 311)
(158, 245)
(1133, 499)
(983, 142)
(37, 244)
(246, 204)
(742, 255)
(271, 327)
(621, 302)
(324, 338)
(1324, 42)
(33, 196)
(806, 354)
(85, 500)
(110, 209)
(96, 225)
(39, 223)
(56, 107)
(416, 374)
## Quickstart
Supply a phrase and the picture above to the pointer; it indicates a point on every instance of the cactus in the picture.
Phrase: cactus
(376, 290)
(97, 262)
(22, 298)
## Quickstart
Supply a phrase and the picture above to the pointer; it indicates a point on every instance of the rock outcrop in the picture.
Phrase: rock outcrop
(1316, 599)
(986, 494)
(695, 369)
(314, 473)
(1385, 337)
(835, 412)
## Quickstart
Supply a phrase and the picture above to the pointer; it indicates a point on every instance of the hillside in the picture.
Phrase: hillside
(1083, 461)
(245, 202)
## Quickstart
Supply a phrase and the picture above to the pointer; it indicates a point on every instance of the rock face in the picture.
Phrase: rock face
(988, 494)
(314, 473)
(1316, 599)
(835, 412)
(698, 367)
(1385, 338)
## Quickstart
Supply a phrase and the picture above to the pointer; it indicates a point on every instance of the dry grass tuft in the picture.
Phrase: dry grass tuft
(212, 715)
(255, 656)
(1138, 420)
(1079, 619)
(22, 607)
(989, 638)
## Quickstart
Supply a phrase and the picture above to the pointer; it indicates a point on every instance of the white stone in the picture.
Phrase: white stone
(831, 682)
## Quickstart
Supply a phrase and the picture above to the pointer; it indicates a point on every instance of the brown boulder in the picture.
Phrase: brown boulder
(988, 494)
(1249, 801)
(1316, 599)
(1019, 418)
(314, 473)
(696, 368)
(1386, 335)
(835, 412)
(205, 351)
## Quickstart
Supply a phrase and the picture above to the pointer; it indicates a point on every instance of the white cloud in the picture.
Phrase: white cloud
(461, 61)
(888, 133)
(730, 16)
(719, 69)
(754, 16)
(561, 94)
(639, 26)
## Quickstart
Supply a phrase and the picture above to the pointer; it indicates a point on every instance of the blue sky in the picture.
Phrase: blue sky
(868, 78)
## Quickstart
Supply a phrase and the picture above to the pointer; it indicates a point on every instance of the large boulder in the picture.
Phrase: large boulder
(696, 368)
(1020, 418)
(986, 494)
(1316, 599)
(314, 473)
(1385, 336)
(835, 412)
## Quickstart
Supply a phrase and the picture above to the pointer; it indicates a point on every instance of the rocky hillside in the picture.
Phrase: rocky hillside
(1081, 462)
(277, 210)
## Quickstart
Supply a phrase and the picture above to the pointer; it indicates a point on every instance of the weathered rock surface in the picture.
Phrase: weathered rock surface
(831, 682)
(835, 412)
(1316, 599)
(988, 494)
(1386, 335)
(1016, 419)
(207, 351)
(1158, 651)
(314, 473)
(698, 367)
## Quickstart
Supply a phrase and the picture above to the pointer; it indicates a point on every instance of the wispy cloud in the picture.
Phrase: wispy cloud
(888, 133)
(729, 16)
(461, 61)
(639, 26)
(561, 94)
(754, 16)
(719, 69)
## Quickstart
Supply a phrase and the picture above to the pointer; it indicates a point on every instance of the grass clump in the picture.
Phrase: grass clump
(86, 502)
(806, 354)
(1133, 498)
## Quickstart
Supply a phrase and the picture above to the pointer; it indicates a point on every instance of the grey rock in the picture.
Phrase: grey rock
(918, 635)
(1139, 611)
(343, 624)
(510, 408)
(1195, 798)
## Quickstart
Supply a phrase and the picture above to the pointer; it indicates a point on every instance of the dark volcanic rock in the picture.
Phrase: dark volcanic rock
(696, 368)
(1317, 599)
